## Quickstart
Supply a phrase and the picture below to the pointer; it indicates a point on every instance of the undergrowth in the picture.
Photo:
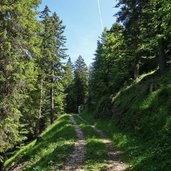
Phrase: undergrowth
(140, 125)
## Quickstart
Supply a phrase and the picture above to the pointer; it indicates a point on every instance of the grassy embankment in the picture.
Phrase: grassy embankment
(50, 151)
(141, 123)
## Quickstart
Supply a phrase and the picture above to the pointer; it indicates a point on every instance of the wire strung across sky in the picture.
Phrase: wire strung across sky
(100, 14)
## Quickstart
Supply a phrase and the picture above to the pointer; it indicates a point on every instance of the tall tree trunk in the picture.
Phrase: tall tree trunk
(136, 69)
(1, 166)
(2, 158)
(1, 161)
(52, 102)
(38, 129)
(162, 58)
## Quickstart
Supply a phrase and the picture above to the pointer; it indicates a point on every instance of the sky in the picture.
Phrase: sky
(84, 21)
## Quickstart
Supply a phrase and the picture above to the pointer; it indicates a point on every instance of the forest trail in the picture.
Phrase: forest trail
(70, 144)
(77, 157)
(75, 162)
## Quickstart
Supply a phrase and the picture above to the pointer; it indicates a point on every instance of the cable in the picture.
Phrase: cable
(100, 14)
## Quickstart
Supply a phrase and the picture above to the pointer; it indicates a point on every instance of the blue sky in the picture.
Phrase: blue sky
(83, 24)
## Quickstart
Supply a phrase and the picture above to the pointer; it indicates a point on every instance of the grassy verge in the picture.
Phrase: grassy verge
(140, 153)
(50, 152)
(96, 152)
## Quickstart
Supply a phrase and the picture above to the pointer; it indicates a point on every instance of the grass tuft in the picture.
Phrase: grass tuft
(96, 152)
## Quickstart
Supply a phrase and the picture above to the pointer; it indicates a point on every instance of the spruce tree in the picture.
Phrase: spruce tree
(68, 82)
(17, 52)
(110, 69)
(53, 50)
(80, 81)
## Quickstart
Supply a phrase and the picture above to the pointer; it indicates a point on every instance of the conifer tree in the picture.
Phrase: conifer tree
(80, 81)
(110, 69)
(132, 17)
(157, 30)
(147, 32)
(77, 90)
(17, 52)
(68, 82)
(53, 50)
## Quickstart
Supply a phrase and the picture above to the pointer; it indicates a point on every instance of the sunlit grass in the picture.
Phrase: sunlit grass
(96, 152)
(127, 87)
(51, 151)
(149, 100)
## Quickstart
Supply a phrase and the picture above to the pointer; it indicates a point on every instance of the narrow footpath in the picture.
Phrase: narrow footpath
(76, 159)
(114, 163)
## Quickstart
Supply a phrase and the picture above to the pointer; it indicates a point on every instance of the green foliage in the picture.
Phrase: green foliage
(17, 68)
(140, 125)
(108, 72)
(80, 81)
(77, 90)
(138, 43)
(52, 69)
(30, 71)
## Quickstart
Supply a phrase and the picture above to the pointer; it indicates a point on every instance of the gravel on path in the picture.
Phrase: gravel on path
(76, 159)
(114, 163)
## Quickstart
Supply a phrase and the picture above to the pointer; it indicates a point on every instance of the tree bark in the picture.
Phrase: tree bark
(38, 129)
(1, 166)
(2, 157)
(52, 102)
(136, 69)
(162, 58)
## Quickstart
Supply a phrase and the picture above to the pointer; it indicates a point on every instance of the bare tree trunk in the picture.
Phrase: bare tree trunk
(52, 102)
(38, 129)
(136, 69)
(1, 166)
(162, 58)
(1, 161)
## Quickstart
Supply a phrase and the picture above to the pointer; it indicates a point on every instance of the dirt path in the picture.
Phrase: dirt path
(76, 159)
(114, 162)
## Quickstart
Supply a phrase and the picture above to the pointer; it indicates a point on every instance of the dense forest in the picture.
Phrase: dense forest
(128, 82)
(138, 43)
(34, 80)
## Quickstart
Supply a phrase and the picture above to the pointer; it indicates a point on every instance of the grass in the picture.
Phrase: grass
(50, 152)
(141, 125)
(96, 152)
(135, 150)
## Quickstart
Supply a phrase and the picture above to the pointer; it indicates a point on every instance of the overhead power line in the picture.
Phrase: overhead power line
(100, 14)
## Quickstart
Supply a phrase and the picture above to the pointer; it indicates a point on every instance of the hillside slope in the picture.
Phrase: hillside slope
(141, 122)
(55, 144)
